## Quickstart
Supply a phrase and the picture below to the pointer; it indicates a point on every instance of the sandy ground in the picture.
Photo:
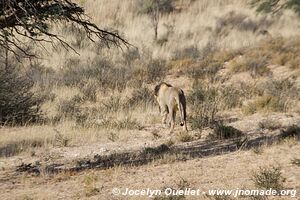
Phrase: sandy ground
(229, 171)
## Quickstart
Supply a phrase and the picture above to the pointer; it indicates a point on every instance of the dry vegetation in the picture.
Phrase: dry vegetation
(240, 72)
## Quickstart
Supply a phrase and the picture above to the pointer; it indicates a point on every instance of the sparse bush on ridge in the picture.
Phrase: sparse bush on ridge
(275, 7)
(154, 9)
(274, 51)
(240, 22)
(210, 61)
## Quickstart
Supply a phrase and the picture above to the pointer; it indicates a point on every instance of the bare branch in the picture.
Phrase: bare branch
(31, 20)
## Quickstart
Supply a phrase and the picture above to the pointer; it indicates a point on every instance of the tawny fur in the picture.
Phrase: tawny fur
(171, 99)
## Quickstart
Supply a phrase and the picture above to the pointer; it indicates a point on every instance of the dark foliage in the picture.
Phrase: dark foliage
(18, 105)
(275, 6)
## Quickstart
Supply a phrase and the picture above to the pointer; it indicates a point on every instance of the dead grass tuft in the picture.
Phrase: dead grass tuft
(266, 103)
(184, 137)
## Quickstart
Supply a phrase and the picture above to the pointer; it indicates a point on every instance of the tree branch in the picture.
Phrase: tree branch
(31, 20)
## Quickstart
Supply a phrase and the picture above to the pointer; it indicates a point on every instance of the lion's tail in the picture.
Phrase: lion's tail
(181, 102)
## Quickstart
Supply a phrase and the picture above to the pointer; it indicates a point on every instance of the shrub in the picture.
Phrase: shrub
(163, 148)
(154, 9)
(205, 102)
(292, 132)
(296, 162)
(14, 148)
(142, 96)
(60, 140)
(90, 185)
(269, 124)
(89, 91)
(265, 103)
(274, 51)
(255, 64)
(211, 62)
(268, 6)
(148, 6)
(131, 55)
(233, 20)
(281, 88)
(126, 123)
(43, 77)
(113, 136)
(113, 104)
(267, 178)
(156, 71)
(70, 108)
(231, 97)
(275, 95)
(184, 137)
(188, 52)
(99, 70)
(18, 104)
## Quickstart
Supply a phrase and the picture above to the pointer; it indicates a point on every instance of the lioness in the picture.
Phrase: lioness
(170, 99)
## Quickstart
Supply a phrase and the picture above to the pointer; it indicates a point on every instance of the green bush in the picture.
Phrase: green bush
(18, 104)
(149, 6)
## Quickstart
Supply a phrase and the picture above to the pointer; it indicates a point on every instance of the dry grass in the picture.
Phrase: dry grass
(104, 96)
(265, 103)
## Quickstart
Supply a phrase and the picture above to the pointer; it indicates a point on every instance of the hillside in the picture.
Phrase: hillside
(100, 127)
